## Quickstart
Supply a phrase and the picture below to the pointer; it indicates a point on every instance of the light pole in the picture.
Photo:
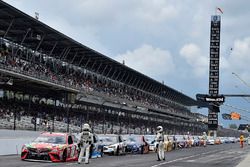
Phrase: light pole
(245, 98)
(244, 82)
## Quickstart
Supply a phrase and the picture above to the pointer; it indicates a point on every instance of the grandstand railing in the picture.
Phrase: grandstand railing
(37, 77)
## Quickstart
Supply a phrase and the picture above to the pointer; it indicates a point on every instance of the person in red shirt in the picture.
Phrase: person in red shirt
(241, 140)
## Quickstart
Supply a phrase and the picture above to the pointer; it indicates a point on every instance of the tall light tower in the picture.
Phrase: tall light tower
(214, 72)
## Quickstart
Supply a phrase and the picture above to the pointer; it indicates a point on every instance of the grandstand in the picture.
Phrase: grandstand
(50, 81)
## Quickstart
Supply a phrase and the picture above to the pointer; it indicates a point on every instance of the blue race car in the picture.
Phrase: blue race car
(136, 144)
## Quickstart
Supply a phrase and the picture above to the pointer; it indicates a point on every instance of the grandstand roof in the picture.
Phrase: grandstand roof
(30, 32)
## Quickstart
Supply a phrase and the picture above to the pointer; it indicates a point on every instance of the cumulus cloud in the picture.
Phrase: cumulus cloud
(151, 61)
(239, 59)
(156, 11)
(193, 56)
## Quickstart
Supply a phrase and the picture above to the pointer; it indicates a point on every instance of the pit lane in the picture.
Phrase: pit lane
(225, 155)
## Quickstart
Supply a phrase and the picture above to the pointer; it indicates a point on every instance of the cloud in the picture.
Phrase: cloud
(156, 11)
(193, 56)
(151, 61)
(239, 59)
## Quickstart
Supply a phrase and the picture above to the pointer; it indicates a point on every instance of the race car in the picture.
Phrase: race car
(96, 148)
(55, 147)
(113, 144)
(150, 139)
(136, 144)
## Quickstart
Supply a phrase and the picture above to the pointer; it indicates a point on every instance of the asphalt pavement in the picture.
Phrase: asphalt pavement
(225, 155)
(245, 162)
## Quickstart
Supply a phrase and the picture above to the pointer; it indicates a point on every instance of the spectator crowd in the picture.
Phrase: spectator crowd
(33, 63)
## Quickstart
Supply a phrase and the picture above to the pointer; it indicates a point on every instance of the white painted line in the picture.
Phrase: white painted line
(183, 158)
(191, 160)
(179, 159)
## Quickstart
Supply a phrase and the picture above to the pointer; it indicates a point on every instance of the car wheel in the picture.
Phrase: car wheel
(142, 149)
(124, 151)
(64, 155)
(147, 150)
(102, 152)
(118, 151)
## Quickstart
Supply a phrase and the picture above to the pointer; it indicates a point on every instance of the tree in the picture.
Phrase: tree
(233, 126)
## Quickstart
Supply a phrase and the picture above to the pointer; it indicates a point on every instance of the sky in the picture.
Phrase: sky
(167, 40)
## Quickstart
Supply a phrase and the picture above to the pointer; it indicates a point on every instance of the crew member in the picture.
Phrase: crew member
(85, 142)
(160, 143)
(204, 137)
(241, 140)
(174, 143)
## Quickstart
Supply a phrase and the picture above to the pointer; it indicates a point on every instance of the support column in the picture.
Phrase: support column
(14, 112)
(103, 124)
(53, 117)
(67, 111)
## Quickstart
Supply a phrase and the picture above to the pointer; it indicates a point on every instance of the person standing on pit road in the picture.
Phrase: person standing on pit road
(241, 141)
(204, 138)
(85, 142)
(174, 143)
(160, 143)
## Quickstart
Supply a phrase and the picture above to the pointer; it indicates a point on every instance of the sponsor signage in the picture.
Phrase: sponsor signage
(226, 116)
(209, 98)
(212, 121)
(218, 99)
(243, 127)
(235, 116)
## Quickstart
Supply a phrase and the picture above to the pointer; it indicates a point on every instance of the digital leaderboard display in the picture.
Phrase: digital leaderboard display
(214, 70)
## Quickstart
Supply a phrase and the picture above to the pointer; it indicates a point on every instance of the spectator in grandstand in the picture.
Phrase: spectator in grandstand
(4, 50)
(3, 53)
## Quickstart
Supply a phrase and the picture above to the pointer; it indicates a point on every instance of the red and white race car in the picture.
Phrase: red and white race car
(55, 147)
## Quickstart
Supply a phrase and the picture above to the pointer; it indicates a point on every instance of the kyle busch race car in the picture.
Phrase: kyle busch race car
(55, 147)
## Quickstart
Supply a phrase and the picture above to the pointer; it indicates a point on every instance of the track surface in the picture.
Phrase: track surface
(226, 155)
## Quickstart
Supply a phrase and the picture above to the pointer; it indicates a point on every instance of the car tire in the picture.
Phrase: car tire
(124, 151)
(118, 151)
(64, 158)
(147, 149)
(142, 149)
(102, 152)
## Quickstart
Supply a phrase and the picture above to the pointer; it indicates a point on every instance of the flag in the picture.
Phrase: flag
(219, 9)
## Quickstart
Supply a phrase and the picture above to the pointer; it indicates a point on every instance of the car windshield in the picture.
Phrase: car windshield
(196, 138)
(179, 138)
(50, 139)
(149, 138)
(136, 139)
(108, 139)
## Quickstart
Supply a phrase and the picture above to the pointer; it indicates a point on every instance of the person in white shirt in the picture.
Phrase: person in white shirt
(160, 143)
(85, 142)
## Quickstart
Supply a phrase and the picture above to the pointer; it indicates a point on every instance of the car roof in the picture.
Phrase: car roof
(133, 135)
(108, 135)
(53, 134)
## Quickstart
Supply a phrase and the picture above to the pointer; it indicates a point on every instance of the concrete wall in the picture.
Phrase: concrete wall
(12, 141)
